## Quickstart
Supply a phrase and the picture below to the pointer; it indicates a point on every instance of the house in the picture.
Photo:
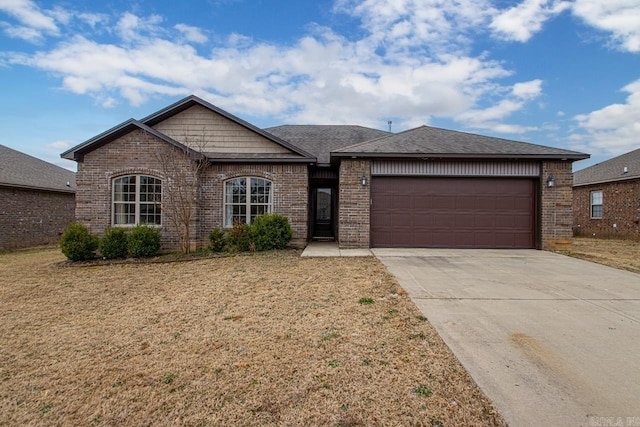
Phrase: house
(363, 187)
(606, 197)
(37, 200)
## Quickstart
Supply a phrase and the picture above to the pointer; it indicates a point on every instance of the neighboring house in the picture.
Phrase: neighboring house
(424, 187)
(37, 200)
(606, 197)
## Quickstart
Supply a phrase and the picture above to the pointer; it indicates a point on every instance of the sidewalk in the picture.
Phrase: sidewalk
(330, 249)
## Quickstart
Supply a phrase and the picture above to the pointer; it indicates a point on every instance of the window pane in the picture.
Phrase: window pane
(124, 213)
(596, 211)
(596, 197)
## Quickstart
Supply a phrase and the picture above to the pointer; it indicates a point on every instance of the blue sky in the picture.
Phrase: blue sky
(551, 72)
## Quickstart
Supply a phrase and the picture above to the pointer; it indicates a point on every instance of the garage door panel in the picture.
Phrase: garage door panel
(453, 212)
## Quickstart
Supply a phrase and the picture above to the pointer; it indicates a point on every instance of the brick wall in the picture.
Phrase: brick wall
(33, 218)
(133, 154)
(556, 206)
(290, 195)
(130, 154)
(620, 206)
(355, 204)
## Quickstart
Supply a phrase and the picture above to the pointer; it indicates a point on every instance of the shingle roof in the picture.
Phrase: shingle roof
(610, 170)
(321, 140)
(21, 170)
(426, 141)
(146, 124)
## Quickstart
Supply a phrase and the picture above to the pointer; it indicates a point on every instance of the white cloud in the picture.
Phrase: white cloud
(521, 22)
(613, 129)
(411, 62)
(528, 90)
(21, 32)
(491, 117)
(29, 14)
(192, 34)
(59, 145)
(619, 17)
(132, 28)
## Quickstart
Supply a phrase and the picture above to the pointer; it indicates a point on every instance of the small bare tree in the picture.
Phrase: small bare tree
(182, 168)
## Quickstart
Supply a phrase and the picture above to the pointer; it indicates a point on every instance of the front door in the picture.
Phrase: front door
(323, 212)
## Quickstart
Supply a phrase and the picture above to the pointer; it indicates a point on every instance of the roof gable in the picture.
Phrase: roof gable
(21, 170)
(116, 132)
(171, 120)
(426, 141)
(244, 131)
(610, 170)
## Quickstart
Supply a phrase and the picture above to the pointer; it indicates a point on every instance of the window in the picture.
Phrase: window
(596, 204)
(137, 200)
(244, 205)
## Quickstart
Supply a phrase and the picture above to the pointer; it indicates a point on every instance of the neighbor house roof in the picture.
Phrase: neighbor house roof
(146, 124)
(610, 170)
(23, 171)
(426, 141)
(321, 140)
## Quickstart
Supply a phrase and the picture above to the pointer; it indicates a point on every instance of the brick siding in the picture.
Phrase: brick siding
(355, 204)
(620, 206)
(556, 206)
(134, 154)
(31, 218)
(290, 195)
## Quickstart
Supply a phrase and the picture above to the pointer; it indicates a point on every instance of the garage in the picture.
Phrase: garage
(453, 212)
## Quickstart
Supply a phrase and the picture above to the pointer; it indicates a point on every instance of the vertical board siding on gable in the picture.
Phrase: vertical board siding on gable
(197, 126)
(455, 168)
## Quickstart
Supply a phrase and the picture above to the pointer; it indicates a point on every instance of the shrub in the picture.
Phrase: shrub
(271, 231)
(143, 241)
(77, 244)
(240, 237)
(114, 243)
(217, 240)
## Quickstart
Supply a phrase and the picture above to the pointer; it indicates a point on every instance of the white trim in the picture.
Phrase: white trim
(247, 202)
(136, 202)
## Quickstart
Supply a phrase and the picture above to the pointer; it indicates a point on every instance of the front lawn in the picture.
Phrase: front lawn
(259, 339)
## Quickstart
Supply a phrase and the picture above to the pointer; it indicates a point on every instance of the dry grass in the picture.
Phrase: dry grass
(264, 339)
(623, 254)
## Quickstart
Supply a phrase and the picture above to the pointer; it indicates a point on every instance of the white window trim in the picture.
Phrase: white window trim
(247, 203)
(136, 202)
(591, 204)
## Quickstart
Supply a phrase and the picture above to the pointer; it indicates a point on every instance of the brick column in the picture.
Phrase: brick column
(556, 209)
(354, 204)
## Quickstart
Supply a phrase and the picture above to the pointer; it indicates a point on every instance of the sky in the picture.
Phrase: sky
(562, 73)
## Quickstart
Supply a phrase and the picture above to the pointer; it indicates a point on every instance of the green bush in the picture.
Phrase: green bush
(114, 243)
(240, 237)
(143, 241)
(77, 244)
(217, 240)
(270, 231)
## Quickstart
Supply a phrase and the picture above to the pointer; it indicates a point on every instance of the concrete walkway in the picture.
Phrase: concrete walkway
(331, 249)
(552, 340)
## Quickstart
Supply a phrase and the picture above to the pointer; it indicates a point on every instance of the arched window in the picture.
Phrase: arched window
(137, 199)
(245, 198)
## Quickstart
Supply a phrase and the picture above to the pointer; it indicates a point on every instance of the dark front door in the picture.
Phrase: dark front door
(323, 212)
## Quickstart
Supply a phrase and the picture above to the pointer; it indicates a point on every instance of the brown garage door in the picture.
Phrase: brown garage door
(453, 212)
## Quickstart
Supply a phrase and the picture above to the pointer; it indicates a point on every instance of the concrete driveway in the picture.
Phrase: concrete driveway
(552, 340)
